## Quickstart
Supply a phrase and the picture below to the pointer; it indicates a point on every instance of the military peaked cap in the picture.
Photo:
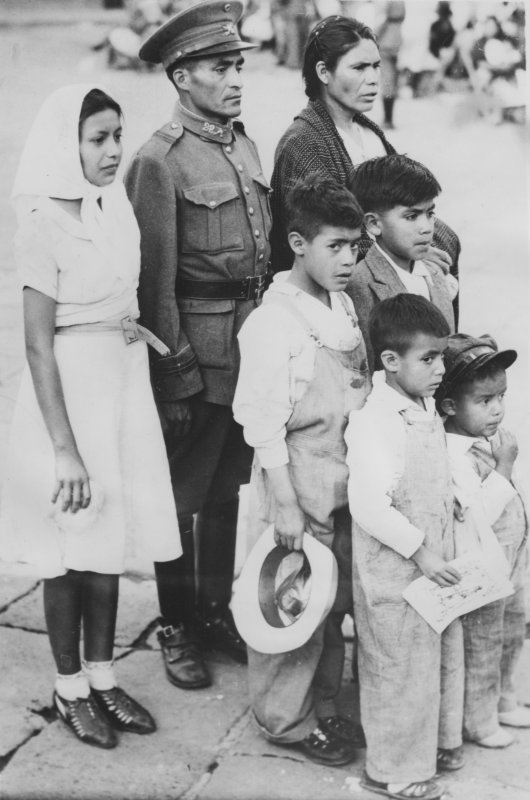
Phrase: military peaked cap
(205, 29)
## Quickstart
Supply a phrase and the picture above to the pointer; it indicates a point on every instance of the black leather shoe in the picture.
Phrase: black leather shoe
(343, 729)
(183, 661)
(217, 631)
(324, 748)
(124, 713)
(85, 719)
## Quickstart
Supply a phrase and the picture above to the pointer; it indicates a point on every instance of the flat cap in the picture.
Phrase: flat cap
(466, 354)
(205, 29)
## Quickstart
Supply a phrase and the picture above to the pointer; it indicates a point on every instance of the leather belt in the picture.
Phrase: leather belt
(132, 332)
(250, 288)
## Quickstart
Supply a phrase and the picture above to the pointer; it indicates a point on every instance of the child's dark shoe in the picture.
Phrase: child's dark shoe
(450, 760)
(343, 729)
(85, 719)
(123, 712)
(324, 748)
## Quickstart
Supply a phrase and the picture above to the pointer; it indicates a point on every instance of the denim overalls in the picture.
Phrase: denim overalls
(281, 686)
(494, 634)
(411, 678)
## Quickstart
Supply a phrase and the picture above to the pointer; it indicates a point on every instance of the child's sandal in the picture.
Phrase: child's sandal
(450, 760)
(420, 790)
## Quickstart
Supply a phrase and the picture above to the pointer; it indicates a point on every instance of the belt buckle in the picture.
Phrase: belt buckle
(255, 286)
(130, 331)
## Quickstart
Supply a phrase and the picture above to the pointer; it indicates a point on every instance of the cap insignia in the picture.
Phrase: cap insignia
(229, 29)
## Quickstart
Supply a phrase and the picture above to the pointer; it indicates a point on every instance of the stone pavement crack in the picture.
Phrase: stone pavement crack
(20, 597)
(232, 735)
(22, 628)
(140, 643)
(47, 714)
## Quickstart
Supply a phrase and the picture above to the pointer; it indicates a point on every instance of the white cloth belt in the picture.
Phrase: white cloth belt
(132, 332)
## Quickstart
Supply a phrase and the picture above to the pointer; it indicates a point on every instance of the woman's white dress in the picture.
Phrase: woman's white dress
(132, 520)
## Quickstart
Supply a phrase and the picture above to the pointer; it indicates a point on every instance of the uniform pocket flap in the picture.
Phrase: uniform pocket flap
(211, 195)
(259, 177)
(191, 306)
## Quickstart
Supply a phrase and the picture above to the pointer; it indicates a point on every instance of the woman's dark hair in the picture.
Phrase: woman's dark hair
(95, 101)
(327, 42)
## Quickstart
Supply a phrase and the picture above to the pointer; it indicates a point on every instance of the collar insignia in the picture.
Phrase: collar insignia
(209, 127)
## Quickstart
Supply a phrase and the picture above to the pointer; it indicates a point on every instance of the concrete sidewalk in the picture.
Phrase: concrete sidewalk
(205, 746)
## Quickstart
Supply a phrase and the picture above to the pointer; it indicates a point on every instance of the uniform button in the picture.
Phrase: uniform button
(174, 125)
(240, 167)
(256, 233)
(250, 210)
(228, 149)
(260, 257)
(246, 190)
(212, 203)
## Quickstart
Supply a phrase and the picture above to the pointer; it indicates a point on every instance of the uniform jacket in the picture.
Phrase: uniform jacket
(374, 279)
(202, 204)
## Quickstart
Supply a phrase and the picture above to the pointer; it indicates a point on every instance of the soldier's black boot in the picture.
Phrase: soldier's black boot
(175, 580)
(216, 536)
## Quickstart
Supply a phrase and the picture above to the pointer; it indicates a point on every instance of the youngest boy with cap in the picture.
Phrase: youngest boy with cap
(482, 457)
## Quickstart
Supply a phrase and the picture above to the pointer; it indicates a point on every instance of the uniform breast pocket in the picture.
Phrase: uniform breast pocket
(263, 189)
(211, 217)
(209, 326)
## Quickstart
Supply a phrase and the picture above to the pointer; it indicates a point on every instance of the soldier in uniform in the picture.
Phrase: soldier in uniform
(201, 201)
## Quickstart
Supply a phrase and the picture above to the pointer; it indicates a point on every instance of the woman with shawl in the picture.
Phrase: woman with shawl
(88, 490)
(341, 72)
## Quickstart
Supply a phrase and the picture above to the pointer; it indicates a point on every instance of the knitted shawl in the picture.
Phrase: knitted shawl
(313, 144)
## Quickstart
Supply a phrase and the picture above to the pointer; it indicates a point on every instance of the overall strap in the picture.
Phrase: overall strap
(283, 300)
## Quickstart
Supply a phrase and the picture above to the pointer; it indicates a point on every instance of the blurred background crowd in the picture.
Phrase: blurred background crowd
(426, 47)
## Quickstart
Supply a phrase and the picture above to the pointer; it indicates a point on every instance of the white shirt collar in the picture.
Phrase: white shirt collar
(418, 268)
(394, 400)
(459, 445)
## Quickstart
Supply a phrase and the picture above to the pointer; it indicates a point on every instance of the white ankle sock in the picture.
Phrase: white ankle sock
(100, 674)
(70, 687)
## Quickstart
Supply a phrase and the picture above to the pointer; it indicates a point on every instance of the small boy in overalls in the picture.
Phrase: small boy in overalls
(401, 500)
(494, 523)
(303, 369)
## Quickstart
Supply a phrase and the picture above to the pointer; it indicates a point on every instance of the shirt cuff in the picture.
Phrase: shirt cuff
(409, 541)
(276, 455)
(498, 485)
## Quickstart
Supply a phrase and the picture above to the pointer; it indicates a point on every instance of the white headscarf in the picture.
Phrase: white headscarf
(50, 166)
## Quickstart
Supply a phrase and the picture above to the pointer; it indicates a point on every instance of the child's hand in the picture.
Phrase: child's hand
(435, 568)
(71, 481)
(289, 526)
(504, 450)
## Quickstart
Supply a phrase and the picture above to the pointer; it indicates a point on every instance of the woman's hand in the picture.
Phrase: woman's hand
(439, 258)
(289, 526)
(71, 482)
(435, 567)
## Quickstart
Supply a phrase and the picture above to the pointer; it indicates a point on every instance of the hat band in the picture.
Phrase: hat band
(201, 38)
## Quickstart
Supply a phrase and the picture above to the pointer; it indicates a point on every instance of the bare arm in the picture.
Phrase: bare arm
(290, 519)
(39, 326)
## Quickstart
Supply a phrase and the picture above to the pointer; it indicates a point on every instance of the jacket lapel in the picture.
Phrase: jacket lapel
(440, 295)
(386, 282)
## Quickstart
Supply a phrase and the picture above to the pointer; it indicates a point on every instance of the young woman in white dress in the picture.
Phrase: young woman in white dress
(88, 492)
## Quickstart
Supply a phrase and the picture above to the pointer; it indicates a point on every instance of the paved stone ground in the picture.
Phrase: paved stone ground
(206, 746)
